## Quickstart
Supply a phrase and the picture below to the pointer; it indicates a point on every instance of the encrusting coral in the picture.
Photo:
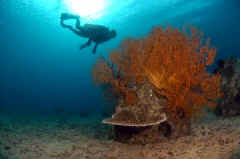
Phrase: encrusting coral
(173, 61)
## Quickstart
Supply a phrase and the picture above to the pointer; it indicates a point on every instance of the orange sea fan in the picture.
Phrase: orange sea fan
(177, 66)
(173, 61)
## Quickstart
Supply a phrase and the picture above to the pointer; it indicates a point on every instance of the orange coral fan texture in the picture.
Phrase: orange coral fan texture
(173, 61)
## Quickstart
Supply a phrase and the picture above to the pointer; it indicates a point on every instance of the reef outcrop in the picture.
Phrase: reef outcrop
(229, 104)
(161, 73)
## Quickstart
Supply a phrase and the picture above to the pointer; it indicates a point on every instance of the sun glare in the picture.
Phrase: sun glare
(86, 8)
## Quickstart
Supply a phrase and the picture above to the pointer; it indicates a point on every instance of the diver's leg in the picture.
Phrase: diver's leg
(95, 48)
(77, 24)
(63, 17)
(64, 25)
(78, 32)
(81, 29)
(88, 43)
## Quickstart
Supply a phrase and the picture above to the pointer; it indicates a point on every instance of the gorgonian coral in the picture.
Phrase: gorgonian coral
(173, 61)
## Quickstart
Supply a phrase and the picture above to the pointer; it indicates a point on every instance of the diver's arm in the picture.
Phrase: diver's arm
(88, 43)
(95, 48)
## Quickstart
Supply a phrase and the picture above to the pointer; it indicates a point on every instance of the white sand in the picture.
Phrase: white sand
(50, 138)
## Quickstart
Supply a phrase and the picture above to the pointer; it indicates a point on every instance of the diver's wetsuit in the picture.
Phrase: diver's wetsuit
(95, 33)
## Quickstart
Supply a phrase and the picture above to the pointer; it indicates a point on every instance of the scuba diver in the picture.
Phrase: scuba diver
(94, 33)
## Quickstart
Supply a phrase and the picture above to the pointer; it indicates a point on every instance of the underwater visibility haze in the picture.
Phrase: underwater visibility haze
(47, 69)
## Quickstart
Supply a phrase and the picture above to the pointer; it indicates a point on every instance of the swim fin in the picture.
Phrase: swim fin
(66, 16)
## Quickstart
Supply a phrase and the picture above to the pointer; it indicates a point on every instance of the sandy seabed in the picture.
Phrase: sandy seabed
(61, 137)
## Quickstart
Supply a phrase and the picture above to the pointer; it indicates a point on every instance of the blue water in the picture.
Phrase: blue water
(42, 68)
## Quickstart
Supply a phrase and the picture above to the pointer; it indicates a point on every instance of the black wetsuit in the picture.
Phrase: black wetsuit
(95, 33)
